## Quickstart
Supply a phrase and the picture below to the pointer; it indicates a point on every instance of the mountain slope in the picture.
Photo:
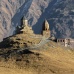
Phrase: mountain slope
(59, 13)
(61, 18)
(8, 9)
(51, 58)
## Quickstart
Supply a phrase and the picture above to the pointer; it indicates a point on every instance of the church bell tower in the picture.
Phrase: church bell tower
(45, 29)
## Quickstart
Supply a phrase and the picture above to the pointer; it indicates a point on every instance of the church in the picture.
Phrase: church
(26, 29)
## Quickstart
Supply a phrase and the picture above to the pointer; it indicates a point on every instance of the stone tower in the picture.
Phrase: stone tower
(25, 23)
(45, 29)
(25, 27)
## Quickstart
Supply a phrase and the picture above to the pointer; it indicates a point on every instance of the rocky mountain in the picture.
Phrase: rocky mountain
(59, 13)
(62, 19)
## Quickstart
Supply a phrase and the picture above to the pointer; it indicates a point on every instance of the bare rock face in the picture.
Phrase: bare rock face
(61, 18)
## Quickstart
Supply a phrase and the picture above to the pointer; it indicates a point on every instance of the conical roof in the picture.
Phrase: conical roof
(45, 25)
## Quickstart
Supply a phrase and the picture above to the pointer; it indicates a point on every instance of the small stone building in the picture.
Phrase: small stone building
(67, 42)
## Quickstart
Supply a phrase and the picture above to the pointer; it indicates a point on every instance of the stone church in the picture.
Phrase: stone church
(26, 29)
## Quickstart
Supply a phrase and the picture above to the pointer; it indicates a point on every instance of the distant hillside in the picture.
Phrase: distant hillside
(59, 12)
(62, 19)
(8, 8)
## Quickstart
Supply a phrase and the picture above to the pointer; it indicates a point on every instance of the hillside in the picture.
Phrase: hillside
(49, 58)
(46, 60)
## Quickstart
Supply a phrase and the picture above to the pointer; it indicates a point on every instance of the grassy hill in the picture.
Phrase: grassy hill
(51, 58)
